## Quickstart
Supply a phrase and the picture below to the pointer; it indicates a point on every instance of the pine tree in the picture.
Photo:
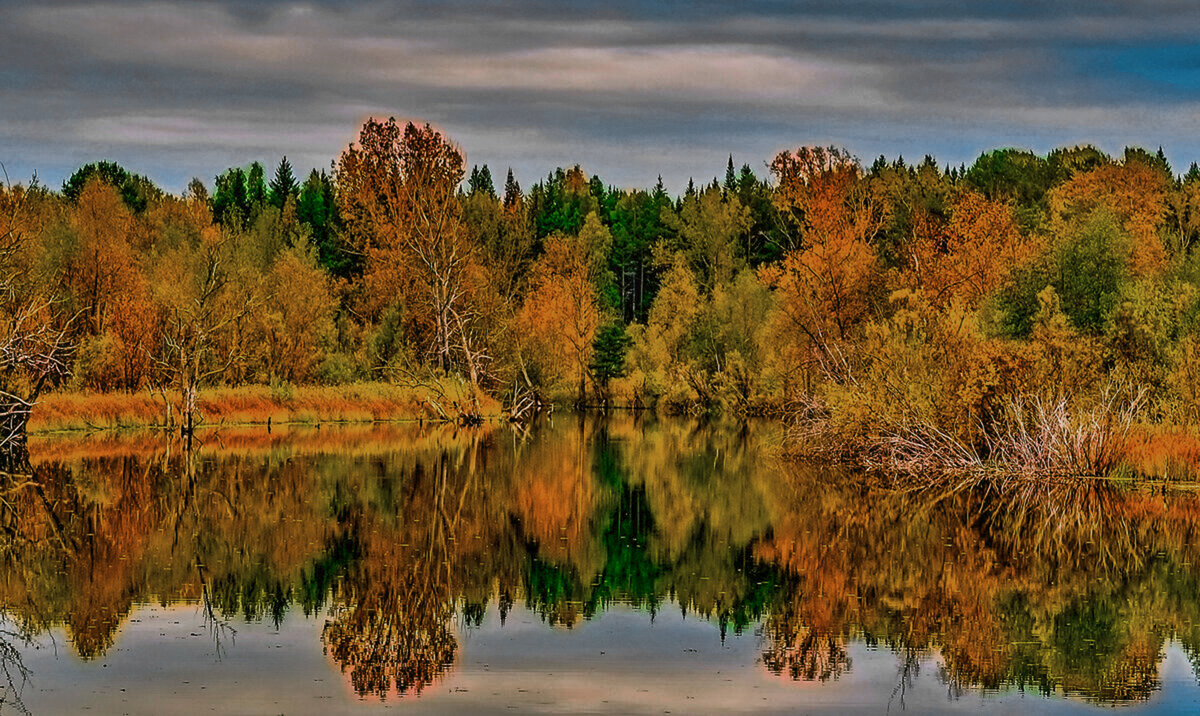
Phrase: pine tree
(229, 198)
(481, 181)
(256, 189)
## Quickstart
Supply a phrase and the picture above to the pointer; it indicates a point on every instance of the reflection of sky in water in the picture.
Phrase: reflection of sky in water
(165, 661)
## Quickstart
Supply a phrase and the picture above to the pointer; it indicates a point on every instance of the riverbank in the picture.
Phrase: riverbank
(260, 404)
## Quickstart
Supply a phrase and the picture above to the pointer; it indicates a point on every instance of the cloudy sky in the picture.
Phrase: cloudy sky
(182, 88)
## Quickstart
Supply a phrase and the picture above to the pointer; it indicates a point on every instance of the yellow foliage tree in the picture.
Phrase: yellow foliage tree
(298, 315)
(560, 314)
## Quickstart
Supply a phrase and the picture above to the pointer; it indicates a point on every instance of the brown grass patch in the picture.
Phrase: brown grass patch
(1170, 453)
(256, 404)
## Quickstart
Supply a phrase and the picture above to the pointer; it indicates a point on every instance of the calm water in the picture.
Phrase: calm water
(627, 565)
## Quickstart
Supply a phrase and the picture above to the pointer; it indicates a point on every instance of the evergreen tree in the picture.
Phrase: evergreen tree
(256, 190)
(512, 191)
(481, 181)
(229, 198)
(136, 190)
(283, 185)
(317, 209)
(608, 357)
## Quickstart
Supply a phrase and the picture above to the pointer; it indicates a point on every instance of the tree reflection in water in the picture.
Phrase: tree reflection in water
(15, 474)
(399, 537)
(392, 615)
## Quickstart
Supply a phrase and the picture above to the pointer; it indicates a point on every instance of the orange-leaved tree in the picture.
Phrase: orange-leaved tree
(397, 192)
(560, 314)
(1135, 193)
(825, 285)
(35, 348)
(972, 255)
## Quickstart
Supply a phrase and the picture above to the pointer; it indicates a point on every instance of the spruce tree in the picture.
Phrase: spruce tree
(283, 185)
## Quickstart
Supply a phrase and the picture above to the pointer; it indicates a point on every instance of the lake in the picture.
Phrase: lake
(586, 565)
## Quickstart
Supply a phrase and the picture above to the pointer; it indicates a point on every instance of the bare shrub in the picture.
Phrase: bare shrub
(1033, 437)
(1048, 438)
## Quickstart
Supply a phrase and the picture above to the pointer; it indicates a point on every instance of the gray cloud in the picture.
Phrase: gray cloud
(629, 89)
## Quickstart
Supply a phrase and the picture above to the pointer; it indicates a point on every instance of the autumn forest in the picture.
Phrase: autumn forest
(824, 419)
(899, 314)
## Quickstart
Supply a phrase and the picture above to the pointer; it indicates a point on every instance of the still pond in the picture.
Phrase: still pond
(624, 565)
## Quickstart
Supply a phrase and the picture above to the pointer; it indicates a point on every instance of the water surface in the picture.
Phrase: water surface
(620, 565)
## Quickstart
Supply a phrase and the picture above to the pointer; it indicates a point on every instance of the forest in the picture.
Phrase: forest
(1025, 311)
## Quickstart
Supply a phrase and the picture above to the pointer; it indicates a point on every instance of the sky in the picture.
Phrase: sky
(628, 89)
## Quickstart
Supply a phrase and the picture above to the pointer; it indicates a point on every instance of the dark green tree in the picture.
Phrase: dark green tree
(283, 185)
(562, 202)
(316, 208)
(1087, 270)
(608, 357)
(256, 189)
(1091, 271)
(512, 191)
(229, 204)
(481, 181)
(1015, 175)
(136, 190)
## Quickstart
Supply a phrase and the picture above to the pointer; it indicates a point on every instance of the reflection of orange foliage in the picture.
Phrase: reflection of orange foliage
(924, 577)
(104, 533)
(392, 627)
(802, 653)
(110, 529)
(428, 514)
(348, 440)
(555, 499)
(392, 630)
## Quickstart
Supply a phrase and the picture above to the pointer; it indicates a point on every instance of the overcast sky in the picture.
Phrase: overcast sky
(175, 89)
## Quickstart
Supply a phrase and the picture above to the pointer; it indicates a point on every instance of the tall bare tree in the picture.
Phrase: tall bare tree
(35, 348)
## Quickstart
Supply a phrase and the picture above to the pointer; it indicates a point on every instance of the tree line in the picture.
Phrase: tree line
(890, 292)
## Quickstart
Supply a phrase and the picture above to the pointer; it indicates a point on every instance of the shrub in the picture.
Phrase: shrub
(336, 369)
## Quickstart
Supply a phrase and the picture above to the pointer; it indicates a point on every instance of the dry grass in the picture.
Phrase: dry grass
(1048, 438)
(1168, 453)
(247, 405)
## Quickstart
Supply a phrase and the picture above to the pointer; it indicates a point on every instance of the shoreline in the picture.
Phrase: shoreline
(260, 405)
